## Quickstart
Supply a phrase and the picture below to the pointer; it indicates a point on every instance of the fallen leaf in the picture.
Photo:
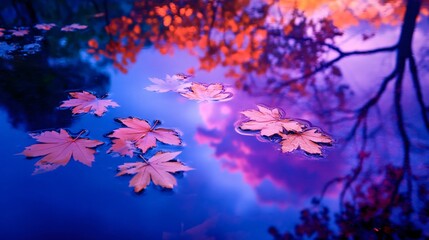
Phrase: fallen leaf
(139, 134)
(123, 147)
(57, 149)
(307, 141)
(85, 102)
(212, 92)
(45, 26)
(73, 27)
(19, 33)
(175, 83)
(158, 169)
(268, 121)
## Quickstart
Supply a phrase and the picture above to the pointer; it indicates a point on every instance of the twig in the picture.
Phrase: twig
(340, 56)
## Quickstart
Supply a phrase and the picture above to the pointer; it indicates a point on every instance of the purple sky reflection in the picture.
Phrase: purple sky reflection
(277, 178)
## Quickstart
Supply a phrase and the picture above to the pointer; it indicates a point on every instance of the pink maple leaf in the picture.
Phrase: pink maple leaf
(85, 102)
(211, 92)
(139, 134)
(158, 169)
(45, 26)
(73, 27)
(268, 121)
(308, 141)
(19, 33)
(57, 148)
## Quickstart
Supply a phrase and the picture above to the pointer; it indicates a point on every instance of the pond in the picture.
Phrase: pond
(214, 119)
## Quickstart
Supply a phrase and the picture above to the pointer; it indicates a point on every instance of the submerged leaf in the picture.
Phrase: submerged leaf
(212, 92)
(307, 141)
(57, 149)
(85, 102)
(175, 83)
(158, 169)
(139, 134)
(268, 121)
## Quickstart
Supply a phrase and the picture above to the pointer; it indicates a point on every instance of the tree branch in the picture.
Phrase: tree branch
(363, 111)
(341, 55)
(418, 90)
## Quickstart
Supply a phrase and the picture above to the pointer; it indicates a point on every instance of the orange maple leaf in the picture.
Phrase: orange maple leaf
(85, 102)
(139, 134)
(212, 92)
(307, 141)
(268, 121)
(57, 149)
(158, 169)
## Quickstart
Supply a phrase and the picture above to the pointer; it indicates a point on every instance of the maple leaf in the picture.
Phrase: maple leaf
(85, 102)
(175, 83)
(45, 26)
(307, 141)
(19, 33)
(158, 169)
(212, 92)
(139, 134)
(268, 121)
(57, 149)
(73, 27)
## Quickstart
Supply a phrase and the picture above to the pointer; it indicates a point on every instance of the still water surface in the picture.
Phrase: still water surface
(242, 184)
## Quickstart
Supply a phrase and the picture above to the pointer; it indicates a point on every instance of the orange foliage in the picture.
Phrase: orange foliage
(266, 39)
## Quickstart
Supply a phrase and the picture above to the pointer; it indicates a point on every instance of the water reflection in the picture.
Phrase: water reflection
(33, 86)
(279, 179)
(279, 55)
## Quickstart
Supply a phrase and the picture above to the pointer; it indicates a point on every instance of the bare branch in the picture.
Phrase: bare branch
(341, 55)
(418, 90)
(362, 112)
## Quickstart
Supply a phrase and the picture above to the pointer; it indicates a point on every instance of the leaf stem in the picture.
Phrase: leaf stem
(144, 159)
(80, 133)
(155, 124)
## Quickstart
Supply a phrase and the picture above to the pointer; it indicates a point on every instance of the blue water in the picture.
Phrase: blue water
(241, 184)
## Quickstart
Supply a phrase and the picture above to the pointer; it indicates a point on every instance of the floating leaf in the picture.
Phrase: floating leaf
(57, 149)
(268, 121)
(212, 92)
(85, 102)
(139, 134)
(73, 27)
(175, 83)
(45, 26)
(158, 169)
(19, 33)
(307, 140)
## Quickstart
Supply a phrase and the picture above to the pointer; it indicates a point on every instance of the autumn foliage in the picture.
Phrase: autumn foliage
(269, 41)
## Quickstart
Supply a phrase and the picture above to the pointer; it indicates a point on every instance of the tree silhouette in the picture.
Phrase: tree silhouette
(383, 209)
